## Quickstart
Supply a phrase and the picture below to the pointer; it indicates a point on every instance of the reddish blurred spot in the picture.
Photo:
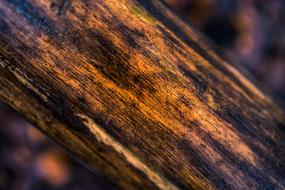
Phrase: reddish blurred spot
(53, 168)
(35, 135)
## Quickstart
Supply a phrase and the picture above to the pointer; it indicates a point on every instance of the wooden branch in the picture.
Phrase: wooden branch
(132, 91)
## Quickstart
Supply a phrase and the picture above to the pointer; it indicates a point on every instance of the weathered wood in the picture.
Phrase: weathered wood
(133, 91)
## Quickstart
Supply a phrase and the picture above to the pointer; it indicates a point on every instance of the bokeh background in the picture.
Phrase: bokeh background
(251, 32)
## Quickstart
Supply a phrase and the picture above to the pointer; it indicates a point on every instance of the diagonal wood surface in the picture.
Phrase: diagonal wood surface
(134, 92)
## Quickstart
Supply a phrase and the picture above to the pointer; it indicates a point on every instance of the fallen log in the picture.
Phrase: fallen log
(135, 93)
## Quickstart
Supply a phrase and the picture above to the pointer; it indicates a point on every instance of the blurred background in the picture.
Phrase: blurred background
(251, 31)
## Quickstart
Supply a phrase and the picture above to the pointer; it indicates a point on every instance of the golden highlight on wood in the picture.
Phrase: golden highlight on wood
(135, 93)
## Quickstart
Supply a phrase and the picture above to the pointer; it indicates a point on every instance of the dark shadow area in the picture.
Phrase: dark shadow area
(31, 161)
(251, 32)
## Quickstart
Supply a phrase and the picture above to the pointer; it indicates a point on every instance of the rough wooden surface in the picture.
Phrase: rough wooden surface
(131, 90)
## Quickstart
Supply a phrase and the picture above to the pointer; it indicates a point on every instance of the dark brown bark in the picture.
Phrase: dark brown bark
(135, 93)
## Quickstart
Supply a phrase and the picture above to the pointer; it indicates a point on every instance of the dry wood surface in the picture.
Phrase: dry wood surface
(135, 93)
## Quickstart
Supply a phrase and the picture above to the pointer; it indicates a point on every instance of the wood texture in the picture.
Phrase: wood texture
(131, 90)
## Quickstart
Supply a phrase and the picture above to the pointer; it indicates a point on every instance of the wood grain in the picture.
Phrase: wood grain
(135, 93)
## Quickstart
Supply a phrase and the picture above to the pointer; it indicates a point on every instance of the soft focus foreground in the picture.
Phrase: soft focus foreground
(253, 31)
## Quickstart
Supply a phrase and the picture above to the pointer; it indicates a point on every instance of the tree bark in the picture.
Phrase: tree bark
(131, 90)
